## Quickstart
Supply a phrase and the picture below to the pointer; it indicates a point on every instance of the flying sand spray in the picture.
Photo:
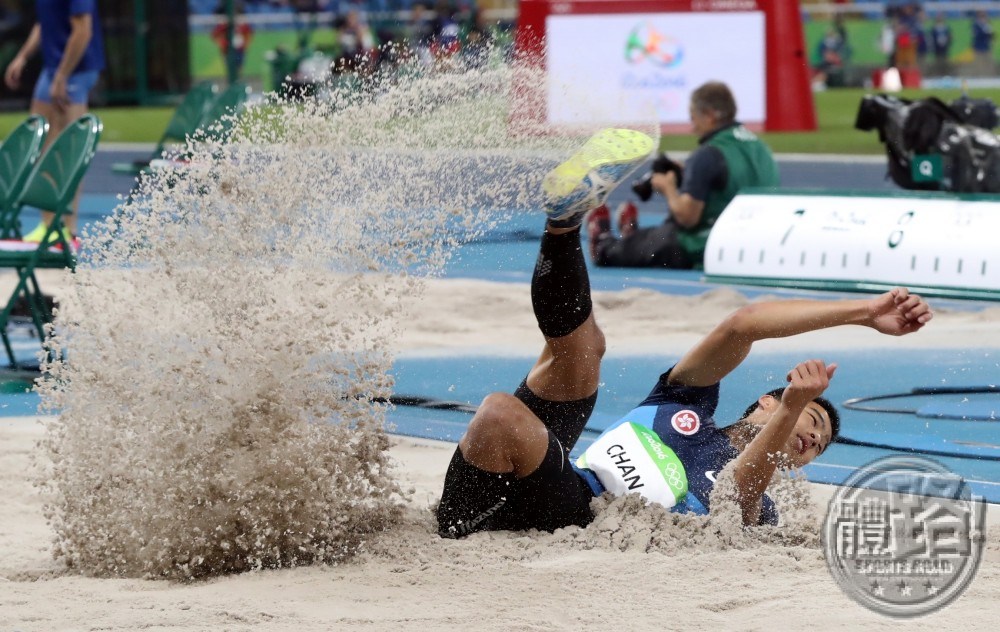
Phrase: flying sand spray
(218, 353)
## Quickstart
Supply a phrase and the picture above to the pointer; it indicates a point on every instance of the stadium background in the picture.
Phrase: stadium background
(179, 48)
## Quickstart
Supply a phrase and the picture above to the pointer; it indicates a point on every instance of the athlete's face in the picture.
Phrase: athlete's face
(811, 435)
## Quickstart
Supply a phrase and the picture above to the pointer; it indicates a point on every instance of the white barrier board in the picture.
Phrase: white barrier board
(932, 242)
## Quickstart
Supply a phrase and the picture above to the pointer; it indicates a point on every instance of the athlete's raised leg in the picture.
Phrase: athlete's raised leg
(508, 432)
(569, 366)
(507, 440)
(511, 437)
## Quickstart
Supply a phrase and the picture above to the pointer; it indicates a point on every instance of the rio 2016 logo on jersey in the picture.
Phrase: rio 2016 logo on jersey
(686, 422)
(646, 43)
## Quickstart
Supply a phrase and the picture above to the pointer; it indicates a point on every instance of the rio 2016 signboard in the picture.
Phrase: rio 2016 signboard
(637, 61)
(642, 65)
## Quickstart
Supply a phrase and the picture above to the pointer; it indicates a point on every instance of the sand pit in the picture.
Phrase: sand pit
(408, 578)
(232, 311)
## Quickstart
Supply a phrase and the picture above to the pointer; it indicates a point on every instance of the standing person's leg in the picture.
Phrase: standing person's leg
(54, 118)
(520, 444)
(70, 114)
(59, 118)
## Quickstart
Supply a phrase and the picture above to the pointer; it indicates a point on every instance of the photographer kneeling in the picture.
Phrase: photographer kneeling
(729, 157)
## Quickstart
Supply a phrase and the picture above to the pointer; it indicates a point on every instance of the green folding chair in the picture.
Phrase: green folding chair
(229, 102)
(51, 185)
(18, 154)
(188, 117)
(215, 124)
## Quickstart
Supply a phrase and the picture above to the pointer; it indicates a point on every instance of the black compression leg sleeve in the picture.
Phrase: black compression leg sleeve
(560, 286)
(470, 497)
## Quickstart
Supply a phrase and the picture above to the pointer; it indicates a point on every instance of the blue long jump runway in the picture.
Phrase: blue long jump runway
(969, 447)
(961, 431)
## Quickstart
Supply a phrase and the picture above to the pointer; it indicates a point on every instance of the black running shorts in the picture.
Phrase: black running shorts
(554, 495)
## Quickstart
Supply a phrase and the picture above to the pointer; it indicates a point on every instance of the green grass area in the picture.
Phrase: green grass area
(835, 114)
(835, 111)
(207, 61)
(121, 125)
(865, 39)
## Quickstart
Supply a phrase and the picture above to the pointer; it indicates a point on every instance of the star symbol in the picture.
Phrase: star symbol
(905, 589)
(931, 588)
(877, 590)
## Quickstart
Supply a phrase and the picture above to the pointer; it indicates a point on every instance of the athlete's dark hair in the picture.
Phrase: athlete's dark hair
(830, 409)
(716, 97)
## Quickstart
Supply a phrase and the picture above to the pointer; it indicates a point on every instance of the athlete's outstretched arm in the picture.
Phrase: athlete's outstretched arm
(756, 463)
(896, 312)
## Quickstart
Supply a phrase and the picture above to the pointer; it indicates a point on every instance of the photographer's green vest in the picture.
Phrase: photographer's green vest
(749, 163)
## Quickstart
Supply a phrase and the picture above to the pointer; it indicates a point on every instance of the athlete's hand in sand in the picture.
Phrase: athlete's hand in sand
(897, 312)
(806, 382)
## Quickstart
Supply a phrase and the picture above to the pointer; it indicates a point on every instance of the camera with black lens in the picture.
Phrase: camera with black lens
(643, 187)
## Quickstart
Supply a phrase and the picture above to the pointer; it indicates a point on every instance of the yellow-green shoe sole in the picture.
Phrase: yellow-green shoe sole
(585, 180)
(612, 146)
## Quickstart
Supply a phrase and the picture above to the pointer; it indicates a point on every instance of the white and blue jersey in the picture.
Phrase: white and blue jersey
(682, 417)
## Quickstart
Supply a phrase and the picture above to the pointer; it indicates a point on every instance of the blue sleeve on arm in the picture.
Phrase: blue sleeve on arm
(704, 170)
(768, 512)
(79, 7)
(705, 398)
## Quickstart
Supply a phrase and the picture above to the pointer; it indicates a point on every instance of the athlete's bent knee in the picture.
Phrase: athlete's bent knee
(500, 433)
(494, 419)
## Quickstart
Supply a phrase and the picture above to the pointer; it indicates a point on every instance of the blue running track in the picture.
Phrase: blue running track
(960, 430)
